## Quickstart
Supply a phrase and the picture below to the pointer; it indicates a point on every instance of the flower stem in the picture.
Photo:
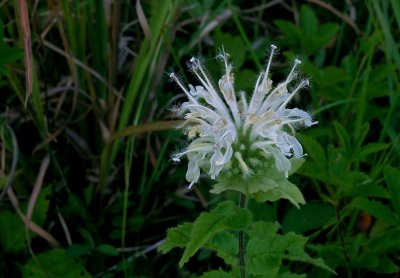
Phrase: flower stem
(242, 265)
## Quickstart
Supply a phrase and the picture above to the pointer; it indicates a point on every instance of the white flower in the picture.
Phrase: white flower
(230, 131)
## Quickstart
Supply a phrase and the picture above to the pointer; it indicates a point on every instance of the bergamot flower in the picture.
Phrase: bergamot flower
(232, 132)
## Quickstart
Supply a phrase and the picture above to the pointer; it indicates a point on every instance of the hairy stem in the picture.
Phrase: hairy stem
(242, 265)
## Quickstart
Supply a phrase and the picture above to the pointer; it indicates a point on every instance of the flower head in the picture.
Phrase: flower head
(231, 131)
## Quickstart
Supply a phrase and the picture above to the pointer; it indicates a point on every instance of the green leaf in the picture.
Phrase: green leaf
(107, 249)
(266, 250)
(77, 250)
(308, 20)
(343, 137)
(262, 229)
(285, 190)
(226, 245)
(12, 232)
(372, 148)
(310, 216)
(315, 151)
(377, 210)
(53, 263)
(177, 237)
(233, 45)
(225, 216)
(393, 182)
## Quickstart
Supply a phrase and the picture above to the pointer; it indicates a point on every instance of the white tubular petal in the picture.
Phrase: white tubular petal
(289, 98)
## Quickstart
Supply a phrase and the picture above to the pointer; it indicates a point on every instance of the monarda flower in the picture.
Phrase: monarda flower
(236, 135)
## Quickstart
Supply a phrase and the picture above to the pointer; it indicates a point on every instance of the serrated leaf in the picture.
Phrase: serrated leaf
(226, 216)
(286, 190)
(265, 251)
(53, 263)
(226, 245)
(177, 237)
(393, 182)
(377, 210)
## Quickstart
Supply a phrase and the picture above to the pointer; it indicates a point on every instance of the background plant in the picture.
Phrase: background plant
(93, 170)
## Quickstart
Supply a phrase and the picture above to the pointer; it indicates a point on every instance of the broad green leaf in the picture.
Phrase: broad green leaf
(226, 245)
(377, 210)
(12, 232)
(286, 190)
(53, 263)
(177, 237)
(225, 216)
(392, 178)
(262, 229)
(310, 216)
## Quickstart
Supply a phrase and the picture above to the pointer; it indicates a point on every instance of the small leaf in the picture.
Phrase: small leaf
(177, 237)
(225, 216)
(77, 250)
(107, 249)
(372, 148)
(377, 210)
(343, 137)
(393, 182)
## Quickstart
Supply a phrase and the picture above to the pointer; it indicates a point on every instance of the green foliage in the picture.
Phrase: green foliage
(12, 233)
(53, 263)
(226, 216)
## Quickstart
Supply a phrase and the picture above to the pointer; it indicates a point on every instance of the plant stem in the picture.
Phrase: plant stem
(242, 265)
